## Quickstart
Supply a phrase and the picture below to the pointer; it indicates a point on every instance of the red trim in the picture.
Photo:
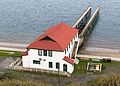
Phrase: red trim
(24, 53)
(68, 60)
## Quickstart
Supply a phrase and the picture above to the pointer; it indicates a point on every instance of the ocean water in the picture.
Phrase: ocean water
(21, 21)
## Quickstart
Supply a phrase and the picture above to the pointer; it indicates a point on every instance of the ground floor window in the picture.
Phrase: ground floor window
(36, 62)
(50, 65)
(57, 65)
(65, 67)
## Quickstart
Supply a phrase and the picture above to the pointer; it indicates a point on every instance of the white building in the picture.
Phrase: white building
(53, 49)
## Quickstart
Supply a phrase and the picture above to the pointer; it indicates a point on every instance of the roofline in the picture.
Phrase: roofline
(45, 49)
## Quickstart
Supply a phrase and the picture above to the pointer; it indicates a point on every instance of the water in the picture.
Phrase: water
(21, 21)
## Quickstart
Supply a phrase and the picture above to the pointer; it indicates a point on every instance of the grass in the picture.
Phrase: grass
(6, 53)
(80, 68)
(22, 83)
(108, 67)
(22, 76)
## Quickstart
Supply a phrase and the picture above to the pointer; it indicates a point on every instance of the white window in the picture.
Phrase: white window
(40, 52)
(50, 53)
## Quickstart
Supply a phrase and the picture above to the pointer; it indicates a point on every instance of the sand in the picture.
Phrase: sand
(13, 46)
(100, 52)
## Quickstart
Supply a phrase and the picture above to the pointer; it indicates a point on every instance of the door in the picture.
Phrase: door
(65, 67)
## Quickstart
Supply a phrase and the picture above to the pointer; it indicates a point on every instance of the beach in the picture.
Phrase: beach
(13, 46)
(95, 51)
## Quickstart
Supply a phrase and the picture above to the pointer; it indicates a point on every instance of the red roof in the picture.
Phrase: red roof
(68, 60)
(56, 37)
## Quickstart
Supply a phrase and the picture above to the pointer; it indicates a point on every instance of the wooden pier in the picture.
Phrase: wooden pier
(84, 24)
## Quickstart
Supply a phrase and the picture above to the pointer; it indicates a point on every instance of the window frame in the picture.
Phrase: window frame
(65, 51)
(50, 64)
(50, 53)
(44, 52)
(69, 45)
(57, 65)
(36, 62)
(65, 68)
(40, 52)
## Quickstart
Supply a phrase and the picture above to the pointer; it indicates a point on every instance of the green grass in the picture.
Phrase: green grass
(80, 68)
(108, 67)
(6, 53)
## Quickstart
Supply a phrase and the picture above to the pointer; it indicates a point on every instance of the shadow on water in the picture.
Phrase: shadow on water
(88, 35)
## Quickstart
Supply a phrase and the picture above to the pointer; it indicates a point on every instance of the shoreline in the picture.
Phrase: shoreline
(98, 49)
(22, 46)
(13, 46)
(103, 52)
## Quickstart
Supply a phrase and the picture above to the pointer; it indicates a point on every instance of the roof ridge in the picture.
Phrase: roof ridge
(56, 41)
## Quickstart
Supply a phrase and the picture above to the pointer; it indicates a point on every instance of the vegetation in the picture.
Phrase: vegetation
(22, 83)
(80, 68)
(6, 53)
(113, 80)
(108, 67)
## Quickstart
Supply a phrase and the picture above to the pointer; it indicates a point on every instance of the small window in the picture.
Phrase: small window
(69, 45)
(57, 65)
(72, 42)
(50, 65)
(67, 48)
(50, 53)
(65, 67)
(40, 52)
(45, 52)
(69, 55)
(36, 62)
(28, 49)
(65, 51)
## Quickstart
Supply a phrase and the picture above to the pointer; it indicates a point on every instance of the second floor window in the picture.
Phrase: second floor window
(65, 51)
(50, 53)
(40, 52)
(69, 45)
(45, 52)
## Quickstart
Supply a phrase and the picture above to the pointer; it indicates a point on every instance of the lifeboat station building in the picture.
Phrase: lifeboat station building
(53, 49)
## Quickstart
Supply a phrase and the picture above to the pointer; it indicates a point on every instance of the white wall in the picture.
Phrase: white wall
(57, 57)
(71, 46)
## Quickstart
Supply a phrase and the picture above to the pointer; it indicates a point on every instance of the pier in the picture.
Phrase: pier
(83, 19)
(84, 24)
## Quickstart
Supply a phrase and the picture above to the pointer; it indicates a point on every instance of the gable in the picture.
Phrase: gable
(47, 39)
